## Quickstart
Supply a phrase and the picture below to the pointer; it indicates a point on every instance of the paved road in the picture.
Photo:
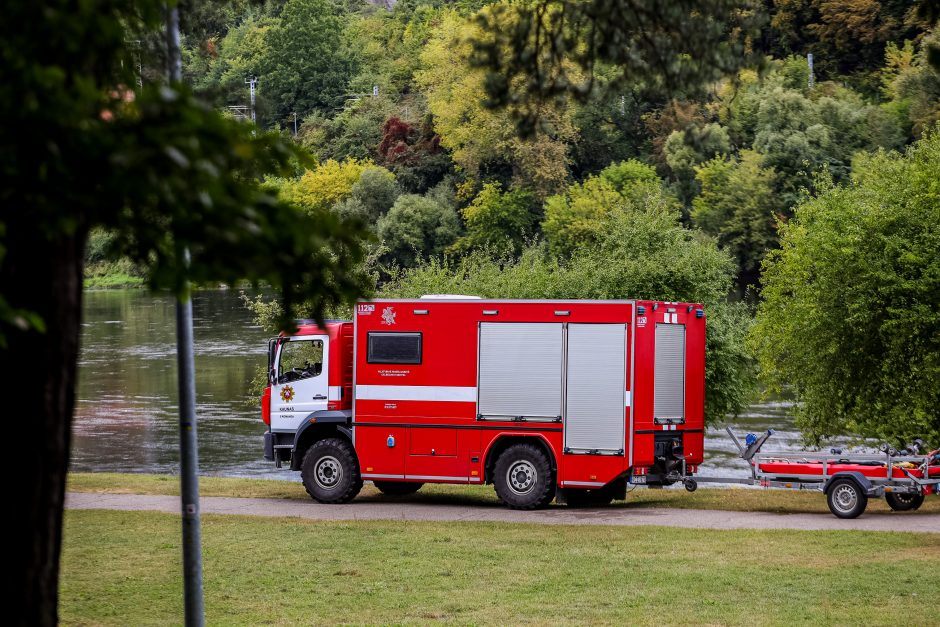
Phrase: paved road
(690, 518)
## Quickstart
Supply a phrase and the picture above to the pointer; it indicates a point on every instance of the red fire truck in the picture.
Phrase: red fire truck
(544, 399)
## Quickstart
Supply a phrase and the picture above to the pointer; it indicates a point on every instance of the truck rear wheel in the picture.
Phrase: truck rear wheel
(846, 499)
(903, 502)
(330, 471)
(397, 488)
(523, 477)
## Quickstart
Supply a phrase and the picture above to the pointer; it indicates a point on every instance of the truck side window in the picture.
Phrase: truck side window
(394, 348)
(300, 360)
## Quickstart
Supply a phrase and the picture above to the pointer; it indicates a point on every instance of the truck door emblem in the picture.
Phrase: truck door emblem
(287, 393)
(388, 316)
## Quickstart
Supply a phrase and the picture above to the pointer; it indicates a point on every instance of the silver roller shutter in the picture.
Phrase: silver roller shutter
(520, 370)
(669, 394)
(595, 414)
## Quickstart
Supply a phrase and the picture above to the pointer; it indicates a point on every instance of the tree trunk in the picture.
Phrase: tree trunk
(42, 274)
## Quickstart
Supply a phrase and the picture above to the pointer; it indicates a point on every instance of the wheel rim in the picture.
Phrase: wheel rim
(328, 472)
(521, 477)
(845, 498)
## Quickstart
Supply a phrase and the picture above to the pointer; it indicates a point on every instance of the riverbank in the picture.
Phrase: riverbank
(124, 568)
(723, 499)
(112, 275)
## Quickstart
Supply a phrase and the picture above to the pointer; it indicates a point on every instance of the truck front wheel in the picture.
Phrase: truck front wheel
(330, 471)
(523, 477)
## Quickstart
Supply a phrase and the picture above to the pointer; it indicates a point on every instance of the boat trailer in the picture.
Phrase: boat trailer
(848, 480)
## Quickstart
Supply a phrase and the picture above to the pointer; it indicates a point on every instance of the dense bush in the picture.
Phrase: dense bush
(851, 316)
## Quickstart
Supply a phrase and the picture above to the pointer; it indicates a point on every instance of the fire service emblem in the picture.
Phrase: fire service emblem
(287, 393)
(388, 316)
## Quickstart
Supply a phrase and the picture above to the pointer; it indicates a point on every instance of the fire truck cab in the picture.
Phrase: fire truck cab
(543, 399)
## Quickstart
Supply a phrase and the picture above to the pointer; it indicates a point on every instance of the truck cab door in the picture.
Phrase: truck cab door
(299, 382)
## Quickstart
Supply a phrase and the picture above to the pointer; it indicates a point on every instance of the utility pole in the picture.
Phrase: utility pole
(189, 456)
(295, 124)
(811, 81)
(251, 81)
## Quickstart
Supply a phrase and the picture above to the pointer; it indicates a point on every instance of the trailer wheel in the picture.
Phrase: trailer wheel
(397, 488)
(846, 499)
(904, 502)
(523, 477)
(330, 471)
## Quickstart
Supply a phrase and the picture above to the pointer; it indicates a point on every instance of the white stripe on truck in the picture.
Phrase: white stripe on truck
(416, 393)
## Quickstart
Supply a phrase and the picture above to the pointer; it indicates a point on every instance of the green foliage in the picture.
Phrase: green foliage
(580, 217)
(684, 150)
(737, 204)
(851, 316)
(417, 226)
(912, 84)
(309, 60)
(317, 190)
(375, 192)
(497, 220)
(535, 52)
(354, 133)
(639, 254)
(240, 54)
(483, 142)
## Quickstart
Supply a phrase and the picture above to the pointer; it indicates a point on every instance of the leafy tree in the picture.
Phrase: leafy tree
(308, 62)
(417, 227)
(537, 51)
(317, 190)
(912, 85)
(641, 254)
(238, 55)
(737, 204)
(483, 142)
(684, 150)
(354, 133)
(847, 37)
(414, 154)
(372, 195)
(850, 316)
(175, 182)
(498, 220)
(580, 217)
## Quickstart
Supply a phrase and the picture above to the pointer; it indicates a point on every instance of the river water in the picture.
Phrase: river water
(126, 416)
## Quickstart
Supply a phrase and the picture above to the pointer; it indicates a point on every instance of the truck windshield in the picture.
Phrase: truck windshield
(300, 359)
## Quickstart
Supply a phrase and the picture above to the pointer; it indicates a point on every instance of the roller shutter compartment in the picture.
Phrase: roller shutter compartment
(520, 371)
(594, 396)
(669, 392)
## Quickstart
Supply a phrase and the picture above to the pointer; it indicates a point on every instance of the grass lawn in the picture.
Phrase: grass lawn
(124, 568)
(747, 500)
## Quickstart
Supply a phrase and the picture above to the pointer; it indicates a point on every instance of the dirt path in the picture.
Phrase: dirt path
(690, 518)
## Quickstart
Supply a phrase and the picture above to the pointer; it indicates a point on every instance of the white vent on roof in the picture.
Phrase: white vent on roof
(449, 297)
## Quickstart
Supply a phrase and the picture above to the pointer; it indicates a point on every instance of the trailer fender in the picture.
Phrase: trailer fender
(861, 480)
(319, 423)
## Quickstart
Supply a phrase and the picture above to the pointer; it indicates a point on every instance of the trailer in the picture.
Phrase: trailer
(544, 399)
(848, 480)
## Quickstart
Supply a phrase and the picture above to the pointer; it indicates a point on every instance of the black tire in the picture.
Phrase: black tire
(397, 488)
(904, 502)
(523, 477)
(330, 471)
(846, 499)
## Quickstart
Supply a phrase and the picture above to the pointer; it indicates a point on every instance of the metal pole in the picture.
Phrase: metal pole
(295, 124)
(189, 456)
(811, 81)
(251, 80)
